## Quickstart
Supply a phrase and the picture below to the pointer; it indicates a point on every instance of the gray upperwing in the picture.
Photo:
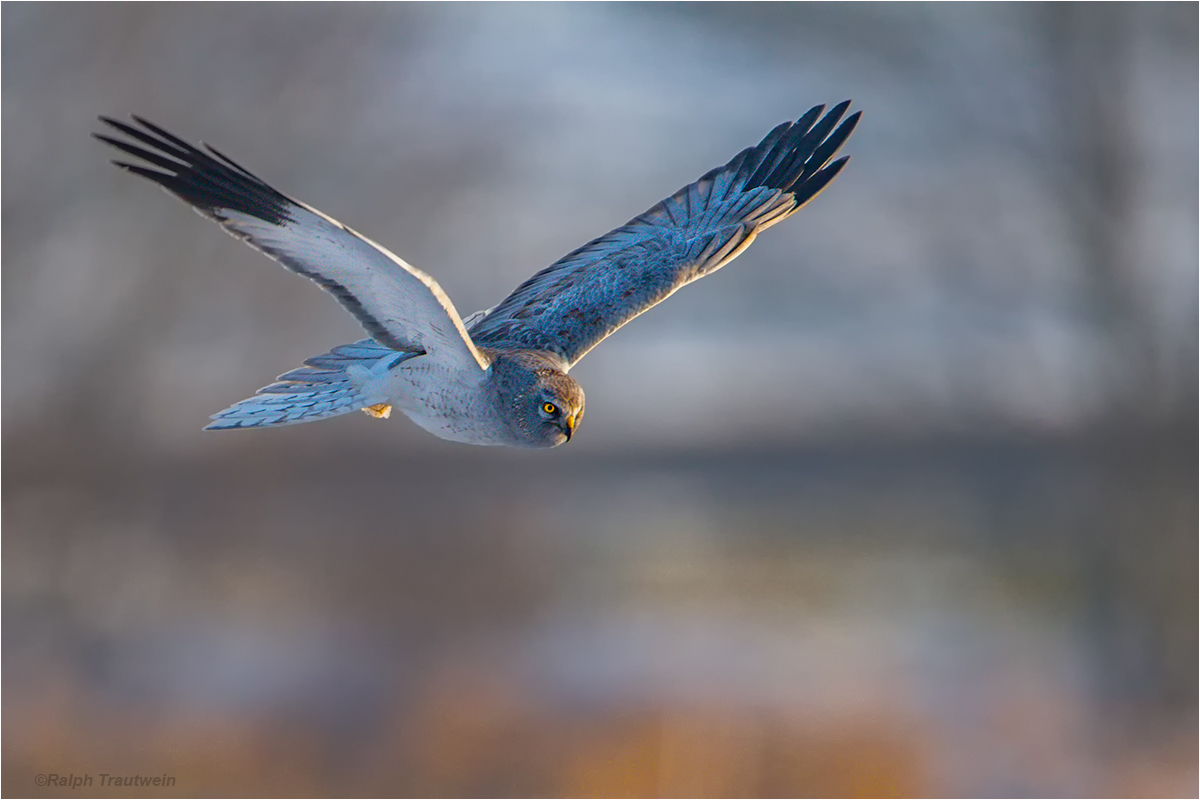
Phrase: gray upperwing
(575, 303)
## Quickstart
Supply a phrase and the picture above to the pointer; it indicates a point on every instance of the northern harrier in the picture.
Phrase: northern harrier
(498, 377)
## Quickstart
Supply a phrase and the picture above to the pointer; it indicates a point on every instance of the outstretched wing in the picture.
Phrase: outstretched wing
(400, 306)
(572, 305)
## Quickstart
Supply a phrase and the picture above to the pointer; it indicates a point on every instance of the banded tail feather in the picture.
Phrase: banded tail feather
(324, 387)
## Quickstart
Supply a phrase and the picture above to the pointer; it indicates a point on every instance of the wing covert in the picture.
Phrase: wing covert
(572, 305)
(400, 306)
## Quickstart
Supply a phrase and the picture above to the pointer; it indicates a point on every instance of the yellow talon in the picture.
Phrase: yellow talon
(378, 411)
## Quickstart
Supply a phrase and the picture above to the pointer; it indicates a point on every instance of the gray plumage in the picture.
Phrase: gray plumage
(500, 376)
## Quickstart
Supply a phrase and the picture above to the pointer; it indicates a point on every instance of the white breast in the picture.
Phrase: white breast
(449, 403)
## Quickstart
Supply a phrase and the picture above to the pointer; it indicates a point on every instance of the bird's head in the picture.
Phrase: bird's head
(542, 405)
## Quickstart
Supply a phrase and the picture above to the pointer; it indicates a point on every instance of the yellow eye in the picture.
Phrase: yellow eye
(550, 408)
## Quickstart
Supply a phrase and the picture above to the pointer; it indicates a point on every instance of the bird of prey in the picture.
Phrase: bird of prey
(497, 377)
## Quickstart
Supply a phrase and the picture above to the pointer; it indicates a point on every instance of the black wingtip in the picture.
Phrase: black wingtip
(815, 184)
(851, 120)
(829, 148)
(206, 182)
(790, 161)
(813, 112)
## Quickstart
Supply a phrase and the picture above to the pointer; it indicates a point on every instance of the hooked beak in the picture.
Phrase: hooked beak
(569, 425)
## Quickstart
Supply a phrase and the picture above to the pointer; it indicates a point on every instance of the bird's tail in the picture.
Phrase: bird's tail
(321, 388)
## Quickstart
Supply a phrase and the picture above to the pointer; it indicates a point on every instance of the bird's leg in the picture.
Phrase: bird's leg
(378, 411)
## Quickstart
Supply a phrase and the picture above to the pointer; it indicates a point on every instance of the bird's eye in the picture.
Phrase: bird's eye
(550, 408)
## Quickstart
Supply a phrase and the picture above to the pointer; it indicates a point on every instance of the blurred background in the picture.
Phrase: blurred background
(903, 502)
